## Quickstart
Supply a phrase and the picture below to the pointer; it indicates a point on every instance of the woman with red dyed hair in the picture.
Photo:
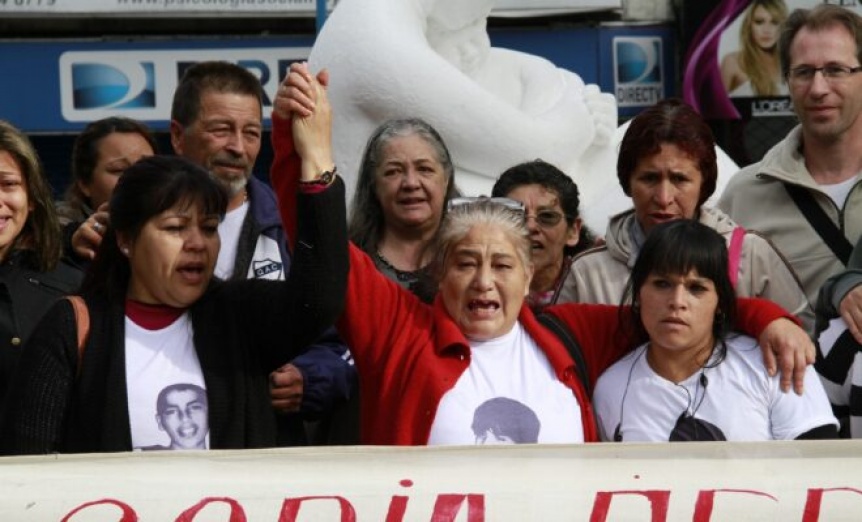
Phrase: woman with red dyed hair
(667, 165)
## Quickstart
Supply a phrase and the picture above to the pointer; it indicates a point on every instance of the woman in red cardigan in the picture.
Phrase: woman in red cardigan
(475, 366)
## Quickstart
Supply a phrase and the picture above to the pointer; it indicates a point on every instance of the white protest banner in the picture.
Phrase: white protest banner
(799, 481)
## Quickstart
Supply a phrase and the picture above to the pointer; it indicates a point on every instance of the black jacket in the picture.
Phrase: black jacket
(26, 294)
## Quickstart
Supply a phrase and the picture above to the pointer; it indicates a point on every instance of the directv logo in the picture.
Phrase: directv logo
(638, 71)
(118, 86)
(140, 83)
(97, 84)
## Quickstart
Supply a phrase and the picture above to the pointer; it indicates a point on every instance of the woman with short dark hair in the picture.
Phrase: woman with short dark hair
(695, 379)
(158, 318)
(552, 201)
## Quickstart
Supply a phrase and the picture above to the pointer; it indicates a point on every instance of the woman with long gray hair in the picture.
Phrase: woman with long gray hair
(405, 180)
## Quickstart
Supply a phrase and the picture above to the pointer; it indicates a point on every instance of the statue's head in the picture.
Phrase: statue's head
(457, 30)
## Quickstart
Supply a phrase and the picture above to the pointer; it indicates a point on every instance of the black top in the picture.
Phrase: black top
(26, 294)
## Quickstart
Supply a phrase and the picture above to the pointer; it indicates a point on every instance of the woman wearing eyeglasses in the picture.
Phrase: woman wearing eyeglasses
(697, 380)
(556, 234)
(427, 370)
(667, 165)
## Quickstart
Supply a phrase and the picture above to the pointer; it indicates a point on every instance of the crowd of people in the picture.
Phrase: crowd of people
(223, 312)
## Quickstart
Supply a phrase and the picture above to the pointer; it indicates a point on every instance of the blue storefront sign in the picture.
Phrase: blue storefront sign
(68, 84)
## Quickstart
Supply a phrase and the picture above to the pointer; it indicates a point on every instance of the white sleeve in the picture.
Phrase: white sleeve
(792, 415)
(606, 402)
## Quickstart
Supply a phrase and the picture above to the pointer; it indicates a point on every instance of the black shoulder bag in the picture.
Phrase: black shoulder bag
(820, 222)
(552, 323)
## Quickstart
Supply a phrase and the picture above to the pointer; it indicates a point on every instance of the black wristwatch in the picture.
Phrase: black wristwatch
(325, 178)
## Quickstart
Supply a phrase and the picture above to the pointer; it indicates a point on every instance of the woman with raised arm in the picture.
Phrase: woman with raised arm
(159, 319)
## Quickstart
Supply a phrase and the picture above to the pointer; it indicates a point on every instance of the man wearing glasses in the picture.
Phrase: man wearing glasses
(805, 194)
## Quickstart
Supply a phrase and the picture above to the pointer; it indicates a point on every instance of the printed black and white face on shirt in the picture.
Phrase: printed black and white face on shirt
(184, 417)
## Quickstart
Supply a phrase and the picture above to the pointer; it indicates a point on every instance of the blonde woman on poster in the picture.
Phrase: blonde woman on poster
(754, 69)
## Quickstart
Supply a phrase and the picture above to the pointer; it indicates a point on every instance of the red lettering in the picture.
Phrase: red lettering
(291, 506)
(398, 504)
(447, 506)
(658, 500)
(811, 513)
(128, 514)
(397, 508)
(706, 500)
(237, 514)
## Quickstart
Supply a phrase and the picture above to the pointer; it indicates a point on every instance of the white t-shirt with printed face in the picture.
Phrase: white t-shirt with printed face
(735, 400)
(508, 395)
(168, 407)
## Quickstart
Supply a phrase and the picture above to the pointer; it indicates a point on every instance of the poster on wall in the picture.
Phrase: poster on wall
(731, 70)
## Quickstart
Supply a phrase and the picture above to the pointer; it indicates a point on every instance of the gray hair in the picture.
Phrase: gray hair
(461, 219)
(365, 225)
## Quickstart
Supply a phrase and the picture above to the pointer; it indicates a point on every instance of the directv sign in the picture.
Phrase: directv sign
(140, 83)
(639, 77)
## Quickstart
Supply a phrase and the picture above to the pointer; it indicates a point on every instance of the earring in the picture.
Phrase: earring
(125, 251)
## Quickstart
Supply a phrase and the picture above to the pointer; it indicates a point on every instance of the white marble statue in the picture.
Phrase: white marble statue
(494, 107)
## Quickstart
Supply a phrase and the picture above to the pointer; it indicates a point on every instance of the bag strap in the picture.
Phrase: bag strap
(817, 218)
(734, 253)
(82, 323)
(552, 323)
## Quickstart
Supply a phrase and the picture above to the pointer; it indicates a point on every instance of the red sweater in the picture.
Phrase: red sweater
(409, 354)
